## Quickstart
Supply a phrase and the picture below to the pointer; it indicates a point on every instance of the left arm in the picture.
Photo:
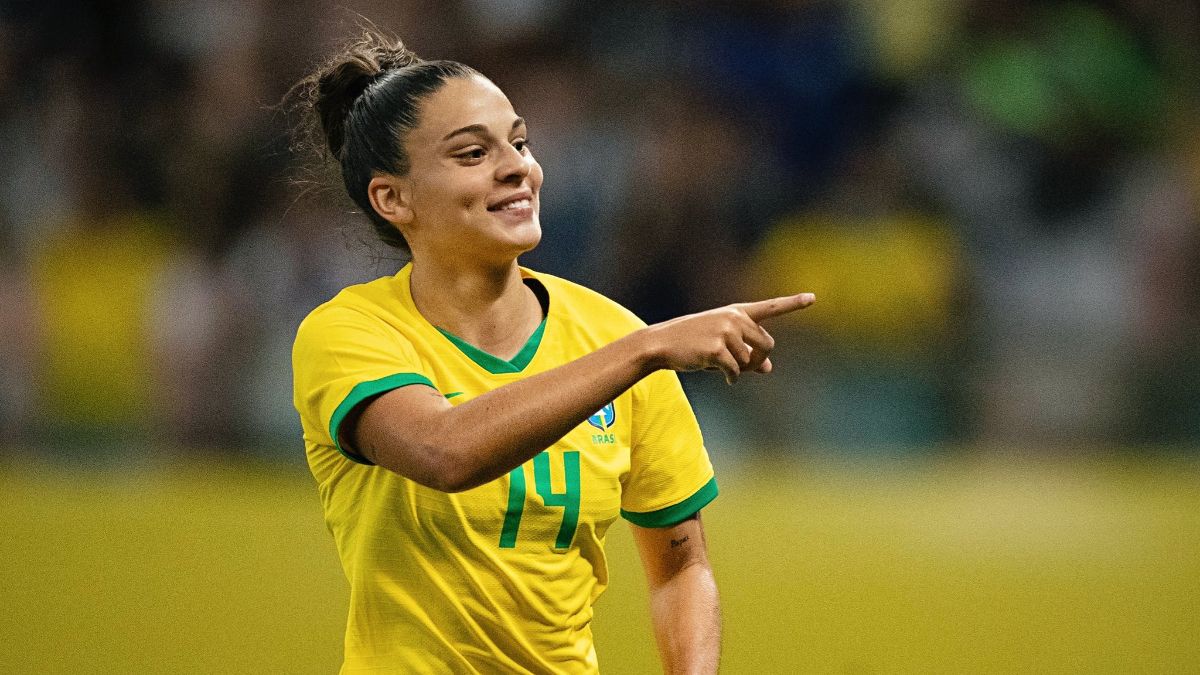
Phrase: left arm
(683, 596)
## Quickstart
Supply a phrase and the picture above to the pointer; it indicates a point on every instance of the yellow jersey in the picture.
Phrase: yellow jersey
(500, 578)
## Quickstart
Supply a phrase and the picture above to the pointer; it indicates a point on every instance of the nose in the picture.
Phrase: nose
(513, 165)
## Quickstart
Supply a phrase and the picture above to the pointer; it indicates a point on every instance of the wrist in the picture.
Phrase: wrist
(649, 352)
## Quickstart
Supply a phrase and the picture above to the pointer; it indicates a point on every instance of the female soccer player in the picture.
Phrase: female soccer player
(475, 427)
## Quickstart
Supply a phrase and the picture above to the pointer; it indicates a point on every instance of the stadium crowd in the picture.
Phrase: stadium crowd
(996, 203)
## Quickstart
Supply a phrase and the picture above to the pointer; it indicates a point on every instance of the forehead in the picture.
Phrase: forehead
(461, 102)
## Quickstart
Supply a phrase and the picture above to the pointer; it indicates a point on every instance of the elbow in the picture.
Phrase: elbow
(457, 475)
(447, 479)
(452, 481)
(447, 466)
(452, 485)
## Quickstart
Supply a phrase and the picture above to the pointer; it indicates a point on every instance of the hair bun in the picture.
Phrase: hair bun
(360, 106)
(338, 84)
(394, 57)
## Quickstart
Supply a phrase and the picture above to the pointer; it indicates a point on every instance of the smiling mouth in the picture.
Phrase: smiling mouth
(513, 205)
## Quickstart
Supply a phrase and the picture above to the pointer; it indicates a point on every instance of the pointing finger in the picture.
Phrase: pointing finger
(766, 309)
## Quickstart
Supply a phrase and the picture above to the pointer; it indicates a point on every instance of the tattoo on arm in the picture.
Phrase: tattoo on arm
(679, 542)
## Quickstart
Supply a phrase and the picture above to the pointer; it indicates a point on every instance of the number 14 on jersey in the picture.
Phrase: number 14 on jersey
(568, 500)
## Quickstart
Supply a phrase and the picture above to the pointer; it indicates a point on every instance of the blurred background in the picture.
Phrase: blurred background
(978, 451)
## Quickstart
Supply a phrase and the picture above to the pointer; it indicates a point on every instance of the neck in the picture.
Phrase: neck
(490, 308)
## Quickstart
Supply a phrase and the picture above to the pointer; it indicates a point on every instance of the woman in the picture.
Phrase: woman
(474, 426)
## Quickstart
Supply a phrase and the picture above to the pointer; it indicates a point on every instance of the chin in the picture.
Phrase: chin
(511, 244)
(527, 237)
(534, 239)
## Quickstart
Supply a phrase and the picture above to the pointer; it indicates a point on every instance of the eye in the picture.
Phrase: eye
(472, 155)
(521, 145)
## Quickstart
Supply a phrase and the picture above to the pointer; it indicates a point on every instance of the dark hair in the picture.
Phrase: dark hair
(366, 98)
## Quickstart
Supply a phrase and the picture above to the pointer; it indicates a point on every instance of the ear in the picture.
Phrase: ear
(391, 198)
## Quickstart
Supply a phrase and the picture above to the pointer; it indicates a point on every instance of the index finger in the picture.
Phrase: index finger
(765, 309)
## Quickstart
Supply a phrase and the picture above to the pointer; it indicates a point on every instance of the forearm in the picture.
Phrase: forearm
(687, 621)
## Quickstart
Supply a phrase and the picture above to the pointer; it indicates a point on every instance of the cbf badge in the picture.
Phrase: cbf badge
(604, 418)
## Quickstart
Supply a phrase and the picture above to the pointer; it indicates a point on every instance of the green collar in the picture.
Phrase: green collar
(494, 364)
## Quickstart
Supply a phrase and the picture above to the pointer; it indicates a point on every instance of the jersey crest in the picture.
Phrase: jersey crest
(604, 418)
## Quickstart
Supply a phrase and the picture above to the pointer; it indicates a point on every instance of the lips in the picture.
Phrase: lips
(518, 200)
(513, 205)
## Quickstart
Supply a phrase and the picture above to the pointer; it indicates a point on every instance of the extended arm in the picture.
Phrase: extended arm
(415, 432)
(683, 596)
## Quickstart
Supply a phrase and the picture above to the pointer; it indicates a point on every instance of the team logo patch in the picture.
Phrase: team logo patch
(604, 418)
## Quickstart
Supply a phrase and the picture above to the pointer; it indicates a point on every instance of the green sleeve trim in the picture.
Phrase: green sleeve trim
(362, 392)
(494, 364)
(673, 515)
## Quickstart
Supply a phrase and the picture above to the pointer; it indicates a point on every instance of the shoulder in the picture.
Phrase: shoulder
(578, 303)
(362, 307)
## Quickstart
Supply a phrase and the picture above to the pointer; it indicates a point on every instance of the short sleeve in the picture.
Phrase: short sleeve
(670, 476)
(342, 357)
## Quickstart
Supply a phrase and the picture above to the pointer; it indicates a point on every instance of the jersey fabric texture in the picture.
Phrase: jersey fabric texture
(502, 577)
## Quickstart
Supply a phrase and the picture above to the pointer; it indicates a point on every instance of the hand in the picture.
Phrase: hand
(729, 339)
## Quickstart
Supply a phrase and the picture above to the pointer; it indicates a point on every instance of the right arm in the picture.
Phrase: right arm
(415, 432)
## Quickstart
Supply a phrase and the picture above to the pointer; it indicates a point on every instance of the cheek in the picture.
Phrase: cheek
(446, 197)
(427, 195)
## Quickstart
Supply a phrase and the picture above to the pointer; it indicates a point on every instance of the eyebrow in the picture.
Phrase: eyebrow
(479, 129)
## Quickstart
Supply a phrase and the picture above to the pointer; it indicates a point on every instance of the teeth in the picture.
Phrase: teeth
(519, 204)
